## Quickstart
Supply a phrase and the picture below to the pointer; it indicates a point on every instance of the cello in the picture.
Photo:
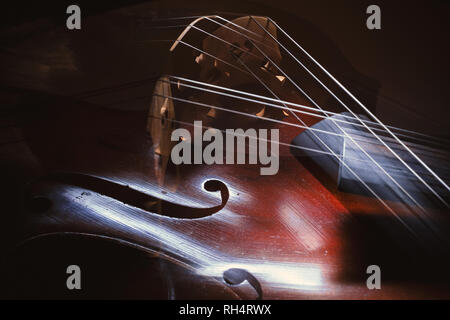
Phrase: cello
(350, 192)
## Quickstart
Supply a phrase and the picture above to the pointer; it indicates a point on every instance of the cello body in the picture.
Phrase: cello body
(98, 185)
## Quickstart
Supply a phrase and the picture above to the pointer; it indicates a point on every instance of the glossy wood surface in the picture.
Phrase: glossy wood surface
(88, 172)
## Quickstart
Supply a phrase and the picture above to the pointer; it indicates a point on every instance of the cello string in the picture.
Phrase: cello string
(179, 83)
(249, 115)
(294, 104)
(149, 96)
(405, 192)
(266, 140)
(376, 119)
(199, 29)
(235, 14)
(229, 43)
(394, 128)
(370, 114)
(326, 111)
(230, 64)
(363, 150)
(106, 90)
(217, 15)
(356, 117)
(338, 158)
(398, 185)
(336, 119)
(289, 145)
(331, 152)
(188, 28)
(425, 221)
(341, 129)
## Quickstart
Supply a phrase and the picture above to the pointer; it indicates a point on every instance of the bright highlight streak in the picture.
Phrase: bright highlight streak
(283, 275)
(208, 261)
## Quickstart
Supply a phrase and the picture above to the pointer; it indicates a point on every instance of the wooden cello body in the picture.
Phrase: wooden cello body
(215, 230)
